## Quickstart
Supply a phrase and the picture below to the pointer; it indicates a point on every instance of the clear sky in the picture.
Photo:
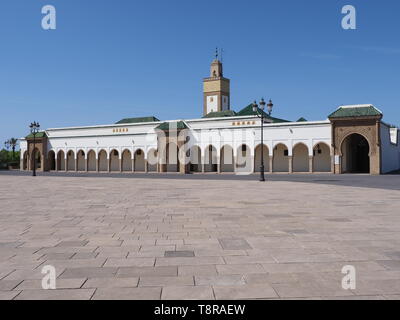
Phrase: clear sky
(110, 59)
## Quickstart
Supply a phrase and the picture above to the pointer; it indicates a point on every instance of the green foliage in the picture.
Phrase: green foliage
(7, 158)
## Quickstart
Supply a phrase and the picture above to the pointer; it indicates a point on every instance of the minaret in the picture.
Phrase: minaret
(216, 89)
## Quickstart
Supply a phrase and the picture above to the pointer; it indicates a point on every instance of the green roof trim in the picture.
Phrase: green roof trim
(220, 114)
(166, 126)
(302, 120)
(248, 111)
(38, 135)
(138, 120)
(355, 111)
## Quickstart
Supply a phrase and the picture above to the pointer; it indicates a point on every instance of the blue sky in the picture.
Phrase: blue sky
(110, 59)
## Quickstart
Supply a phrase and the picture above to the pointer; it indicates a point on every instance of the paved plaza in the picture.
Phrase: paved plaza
(157, 238)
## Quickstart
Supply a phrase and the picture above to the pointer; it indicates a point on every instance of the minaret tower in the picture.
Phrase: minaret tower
(216, 89)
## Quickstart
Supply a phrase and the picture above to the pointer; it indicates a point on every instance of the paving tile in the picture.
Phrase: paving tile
(79, 273)
(234, 244)
(111, 283)
(8, 285)
(207, 270)
(131, 262)
(244, 292)
(60, 284)
(154, 281)
(65, 294)
(220, 280)
(8, 295)
(179, 254)
(126, 272)
(240, 269)
(127, 294)
(187, 293)
(188, 261)
(72, 243)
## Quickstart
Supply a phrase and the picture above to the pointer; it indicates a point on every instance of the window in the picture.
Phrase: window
(286, 153)
(244, 148)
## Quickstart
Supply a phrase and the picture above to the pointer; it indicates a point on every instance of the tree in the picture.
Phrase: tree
(13, 144)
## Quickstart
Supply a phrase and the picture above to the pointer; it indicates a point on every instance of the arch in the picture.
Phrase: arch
(139, 161)
(257, 158)
(70, 160)
(355, 150)
(103, 161)
(37, 157)
(210, 159)
(61, 160)
(51, 160)
(172, 159)
(114, 161)
(281, 158)
(195, 159)
(227, 160)
(322, 158)
(91, 161)
(152, 159)
(81, 161)
(126, 161)
(243, 158)
(25, 161)
(301, 158)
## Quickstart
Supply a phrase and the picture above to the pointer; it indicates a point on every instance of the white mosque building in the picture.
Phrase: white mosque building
(353, 139)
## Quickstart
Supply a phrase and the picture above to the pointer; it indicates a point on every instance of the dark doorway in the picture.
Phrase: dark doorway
(355, 151)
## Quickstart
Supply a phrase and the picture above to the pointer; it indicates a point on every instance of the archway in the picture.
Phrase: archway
(281, 158)
(301, 159)
(51, 158)
(257, 159)
(25, 161)
(139, 161)
(322, 158)
(127, 161)
(210, 159)
(91, 160)
(195, 159)
(152, 159)
(172, 157)
(355, 151)
(114, 161)
(227, 161)
(81, 160)
(37, 159)
(61, 160)
(103, 161)
(243, 159)
(71, 160)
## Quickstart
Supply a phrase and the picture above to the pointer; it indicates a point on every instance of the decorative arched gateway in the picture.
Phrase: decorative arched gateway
(195, 159)
(126, 161)
(210, 159)
(91, 161)
(81, 161)
(71, 161)
(37, 157)
(61, 160)
(322, 160)
(227, 160)
(281, 158)
(301, 158)
(114, 161)
(257, 158)
(103, 161)
(140, 165)
(355, 154)
(171, 156)
(51, 160)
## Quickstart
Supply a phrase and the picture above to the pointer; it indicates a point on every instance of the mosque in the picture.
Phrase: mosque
(353, 139)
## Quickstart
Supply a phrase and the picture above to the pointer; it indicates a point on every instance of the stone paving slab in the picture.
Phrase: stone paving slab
(112, 238)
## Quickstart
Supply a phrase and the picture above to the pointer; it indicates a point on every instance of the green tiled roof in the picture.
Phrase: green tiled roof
(165, 126)
(356, 111)
(41, 134)
(302, 120)
(248, 111)
(138, 120)
(220, 114)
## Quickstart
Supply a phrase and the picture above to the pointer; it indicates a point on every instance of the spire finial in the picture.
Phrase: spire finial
(216, 53)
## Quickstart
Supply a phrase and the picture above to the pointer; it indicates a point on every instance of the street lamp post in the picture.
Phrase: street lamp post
(261, 115)
(34, 130)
